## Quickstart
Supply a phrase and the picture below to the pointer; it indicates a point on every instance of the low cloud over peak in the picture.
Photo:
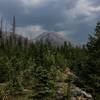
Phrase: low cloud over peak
(73, 18)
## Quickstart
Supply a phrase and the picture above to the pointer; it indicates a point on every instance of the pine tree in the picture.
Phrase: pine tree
(93, 46)
(43, 86)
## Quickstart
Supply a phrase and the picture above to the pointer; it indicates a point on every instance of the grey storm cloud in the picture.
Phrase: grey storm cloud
(73, 18)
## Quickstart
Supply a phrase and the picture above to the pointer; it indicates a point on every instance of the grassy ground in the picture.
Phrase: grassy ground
(21, 96)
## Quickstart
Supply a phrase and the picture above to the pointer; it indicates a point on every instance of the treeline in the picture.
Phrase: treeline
(24, 63)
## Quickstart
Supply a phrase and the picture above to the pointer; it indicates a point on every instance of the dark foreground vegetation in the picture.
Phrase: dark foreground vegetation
(34, 67)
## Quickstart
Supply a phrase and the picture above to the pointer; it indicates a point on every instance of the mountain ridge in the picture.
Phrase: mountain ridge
(53, 37)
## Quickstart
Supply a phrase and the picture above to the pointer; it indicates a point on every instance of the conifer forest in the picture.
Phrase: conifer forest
(43, 71)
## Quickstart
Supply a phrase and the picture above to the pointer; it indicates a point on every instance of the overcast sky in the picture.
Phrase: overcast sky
(73, 18)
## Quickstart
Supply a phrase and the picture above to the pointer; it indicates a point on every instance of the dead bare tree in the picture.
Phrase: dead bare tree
(1, 28)
(14, 25)
(13, 30)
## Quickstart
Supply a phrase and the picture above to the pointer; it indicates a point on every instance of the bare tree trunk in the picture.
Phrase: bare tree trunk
(0, 31)
(13, 30)
(1, 28)
(14, 25)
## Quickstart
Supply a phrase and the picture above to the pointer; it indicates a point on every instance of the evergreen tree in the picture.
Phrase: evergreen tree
(93, 46)
(43, 85)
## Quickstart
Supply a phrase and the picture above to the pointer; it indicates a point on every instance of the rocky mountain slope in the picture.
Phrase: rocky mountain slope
(52, 37)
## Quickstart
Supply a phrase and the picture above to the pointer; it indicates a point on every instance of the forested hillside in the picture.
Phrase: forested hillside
(37, 67)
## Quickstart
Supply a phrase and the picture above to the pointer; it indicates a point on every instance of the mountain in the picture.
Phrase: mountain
(52, 37)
